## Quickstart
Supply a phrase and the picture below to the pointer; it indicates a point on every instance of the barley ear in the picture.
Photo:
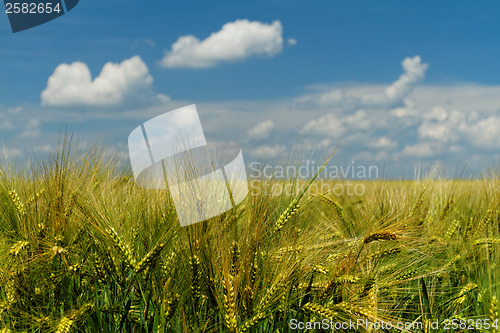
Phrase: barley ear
(149, 258)
(123, 248)
(493, 312)
(294, 205)
(230, 305)
(65, 325)
(17, 202)
(418, 204)
(321, 311)
(446, 209)
(380, 235)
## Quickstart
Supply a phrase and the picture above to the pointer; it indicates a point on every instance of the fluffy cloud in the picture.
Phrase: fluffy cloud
(261, 130)
(327, 125)
(72, 84)
(477, 129)
(372, 97)
(20, 122)
(337, 125)
(419, 150)
(235, 41)
(268, 151)
(382, 143)
(31, 129)
(414, 72)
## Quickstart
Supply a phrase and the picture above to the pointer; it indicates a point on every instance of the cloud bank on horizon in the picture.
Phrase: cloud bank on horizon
(376, 123)
(402, 122)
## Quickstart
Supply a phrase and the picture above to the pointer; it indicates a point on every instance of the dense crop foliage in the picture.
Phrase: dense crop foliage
(85, 250)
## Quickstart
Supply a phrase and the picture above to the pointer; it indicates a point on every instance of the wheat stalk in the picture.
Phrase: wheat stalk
(294, 205)
(493, 312)
(321, 311)
(380, 235)
(339, 280)
(18, 247)
(194, 262)
(488, 241)
(34, 196)
(262, 309)
(486, 220)
(170, 306)
(235, 258)
(451, 230)
(353, 309)
(338, 208)
(230, 305)
(464, 291)
(17, 202)
(122, 247)
(380, 254)
(65, 325)
(287, 214)
(408, 274)
(468, 228)
(418, 204)
(149, 258)
(446, 209)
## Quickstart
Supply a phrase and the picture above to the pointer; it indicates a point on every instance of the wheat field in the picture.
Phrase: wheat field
(83, 249)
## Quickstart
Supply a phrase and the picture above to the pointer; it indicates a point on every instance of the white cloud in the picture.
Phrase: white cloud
(162, 98)
(268, 151)
(328, 125)
(261, 130)
(382, 143)
(477, 129)
(150, 42)
(485, 132)
(291, 41)
(372, 156)
(372, 97)
(235, 41)
(418, 150)
(337, 125)
(72, 84)
(414, 72)
(439, 124)
(31, 129)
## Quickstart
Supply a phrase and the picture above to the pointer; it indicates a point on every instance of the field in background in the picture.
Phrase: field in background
(86, 250)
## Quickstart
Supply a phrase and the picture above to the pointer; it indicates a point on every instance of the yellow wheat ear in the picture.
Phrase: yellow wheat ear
(294, 205)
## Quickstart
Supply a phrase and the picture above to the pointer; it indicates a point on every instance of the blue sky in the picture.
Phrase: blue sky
(396, 83)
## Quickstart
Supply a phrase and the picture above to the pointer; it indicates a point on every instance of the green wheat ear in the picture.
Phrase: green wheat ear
(17, 202)
(65, 325)
(294, 206)
(493, 311)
